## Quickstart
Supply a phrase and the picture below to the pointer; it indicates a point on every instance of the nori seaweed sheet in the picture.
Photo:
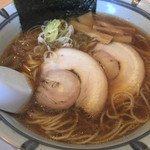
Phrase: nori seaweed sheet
(35, 12)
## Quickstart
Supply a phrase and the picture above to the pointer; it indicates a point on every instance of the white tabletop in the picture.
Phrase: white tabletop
(5, 146)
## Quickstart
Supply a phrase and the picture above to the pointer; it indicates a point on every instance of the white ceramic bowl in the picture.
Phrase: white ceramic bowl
(14, 133)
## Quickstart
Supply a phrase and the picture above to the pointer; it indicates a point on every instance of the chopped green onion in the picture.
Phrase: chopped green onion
(51, 37)
(56, 34)
(12, 61)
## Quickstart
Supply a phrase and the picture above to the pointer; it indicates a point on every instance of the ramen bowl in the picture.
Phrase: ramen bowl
(136, 12)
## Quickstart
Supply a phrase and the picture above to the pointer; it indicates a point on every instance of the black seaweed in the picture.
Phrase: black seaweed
(35, 12)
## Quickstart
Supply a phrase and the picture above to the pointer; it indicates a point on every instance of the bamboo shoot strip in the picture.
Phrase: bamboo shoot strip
(104, 38)
(108, 30)
(87, 19)
(124, 38)
(126, 30)
(102, 23)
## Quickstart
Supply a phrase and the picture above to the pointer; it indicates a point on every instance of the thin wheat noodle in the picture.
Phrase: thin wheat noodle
(89, 139)
(118, 94)
(71, 127)
(112, 133)
(102, 124)
(144, 98)
(137, 119)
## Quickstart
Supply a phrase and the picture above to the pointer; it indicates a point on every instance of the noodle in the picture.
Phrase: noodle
(91, 137)
(144, 98)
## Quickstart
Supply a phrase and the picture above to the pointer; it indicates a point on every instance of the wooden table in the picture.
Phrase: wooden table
(4, 3)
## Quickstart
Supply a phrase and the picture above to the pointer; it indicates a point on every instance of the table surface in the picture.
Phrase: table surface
(4, 3)
(5, 146)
